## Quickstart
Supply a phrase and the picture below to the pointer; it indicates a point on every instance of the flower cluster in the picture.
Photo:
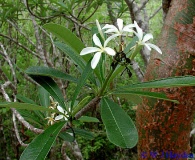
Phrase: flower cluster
(53, 117)
(116, 32)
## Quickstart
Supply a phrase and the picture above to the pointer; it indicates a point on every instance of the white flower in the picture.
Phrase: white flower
(144, 39)
(98, 50)
(120, 30)
(63, 115)
(51, 119)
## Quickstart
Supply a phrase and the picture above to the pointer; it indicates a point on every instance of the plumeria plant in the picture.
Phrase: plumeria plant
(98, 65)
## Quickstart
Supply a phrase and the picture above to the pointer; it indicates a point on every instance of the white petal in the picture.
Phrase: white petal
(147, 37)
(96, 40)
(110, 51)
(108, 26)
(88, 50)
(120, 24)
(139, 31)
(130, 26)
(111, 30)
(99, 29)
(127, 29)
(59, 117)
(147, 46)
(60, 109)
(98, 25)
(155, 47)
(95, 60)
(110, 38)
(65, 119)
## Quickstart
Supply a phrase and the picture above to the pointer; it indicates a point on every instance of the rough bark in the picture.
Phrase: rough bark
(164, 127)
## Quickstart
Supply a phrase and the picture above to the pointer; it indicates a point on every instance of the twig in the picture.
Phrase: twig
(17, 28)
(63, 151)
(155, 12)
(89, 106)
(21, 45)
(17, 132)
(143, 5)
(17, 114)
(138, 71)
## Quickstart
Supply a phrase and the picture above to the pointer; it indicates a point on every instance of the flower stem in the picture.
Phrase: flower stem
(101, 92)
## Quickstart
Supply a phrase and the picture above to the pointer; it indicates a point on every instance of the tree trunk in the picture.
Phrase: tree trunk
(164, 127)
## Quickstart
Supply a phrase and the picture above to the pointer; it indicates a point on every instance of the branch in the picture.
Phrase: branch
(138, 71)
(17, 132)
(110, 12)
(17, 28)
(89, 106)
(25, 123)
(17, 114)
(39, 46)
(74, 148)
(143, 5)
(7, 58)
(21, 45)
(63, 151)
(91, 14)
(155, 12)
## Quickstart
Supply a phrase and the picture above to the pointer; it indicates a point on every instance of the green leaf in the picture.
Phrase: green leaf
(166, 82)
(145, 94)
(66, 136)
(50, 72)
(81, 104)
(40, 146)
(84, 133)
(65, 35)
(132, 98)
(75, 57)
(49, 84)
(88, 119)
(120, 128)
(31, 117)
(27, 100)
(44, 97)
(27, 106)
(24, 99)
(86, 73)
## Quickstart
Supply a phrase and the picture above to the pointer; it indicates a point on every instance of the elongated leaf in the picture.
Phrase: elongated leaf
(167, 82)
(27, 106)
(79, 106)
(31, 117)
(27, 100)
(66, 136)
(40, 146)
(84, 133)
(120, 128)
(44, 97)
(88, 119)
(86, 73)
(24, 99)
(49, 84)
(65, 35)
(75, 58)
(50, 72)
(146, 94)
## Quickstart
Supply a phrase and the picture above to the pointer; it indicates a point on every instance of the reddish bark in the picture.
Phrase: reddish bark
(164, 127)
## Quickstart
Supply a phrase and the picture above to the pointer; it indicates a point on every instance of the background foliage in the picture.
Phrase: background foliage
(25, 42)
